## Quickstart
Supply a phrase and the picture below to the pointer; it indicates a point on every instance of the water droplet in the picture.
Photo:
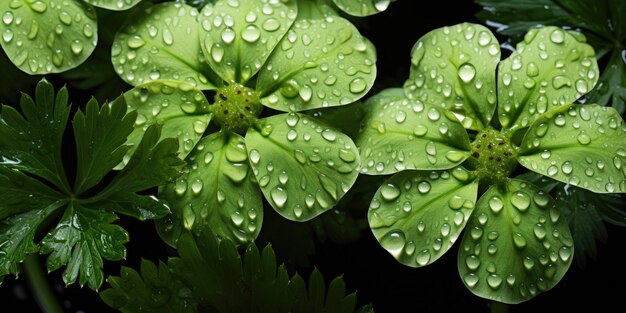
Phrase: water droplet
(496, 204)
(135, 42)
(329, 135)
(7, 18)
(423, 257)
(279, 196)
(180, 187)
(494, 281)
(393, 242)
(561, 81)
(7, 35)
(39, 7)
(77, 47)
(347, 155)
(540, 231)
(567, 168)
(532, 69)
(470, 279)
(420, 130)
(255, 157)
(217, 52)
(521, 201)
(251, 33)
(433, 114)
(423, 187)
(390, 192)
(189, 217)
(472, 262)
(528, 263)
(357, 85)
(467, 72)
(565, 253)
(445, 229)
(519, 240)
(557, 36)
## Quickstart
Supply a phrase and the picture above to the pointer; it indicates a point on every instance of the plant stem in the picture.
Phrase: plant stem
(499, 307)
(39, 285)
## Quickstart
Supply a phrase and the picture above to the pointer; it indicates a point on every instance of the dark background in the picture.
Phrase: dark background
(365, 266)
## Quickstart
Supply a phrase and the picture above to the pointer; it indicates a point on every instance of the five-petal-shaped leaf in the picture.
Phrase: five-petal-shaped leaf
(417, 216)
(318, 63)
(216, 192)
(46, 36)
(582, 145)
(454, 67)
(303, 166)
(401, 133)
(517, 244)
(551, 67)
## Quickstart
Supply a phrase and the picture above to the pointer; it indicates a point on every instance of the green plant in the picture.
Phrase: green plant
(253, 54)
(517, 245)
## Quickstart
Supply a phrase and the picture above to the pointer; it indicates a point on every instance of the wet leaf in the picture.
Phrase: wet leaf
(155, 46)
(181, 109)
(303, 167)
(516, 245)
(318, 63)
(398, 133)
(216, 192)
(117, 5)
(550, 68)
(238, 36)
(362, 7)
(611, 88)
(417, 216)
(582, 145)
(42, 37)
(454, 67)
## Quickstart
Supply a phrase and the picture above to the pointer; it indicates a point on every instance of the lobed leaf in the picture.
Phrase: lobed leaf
(318, 63)
(43, 37)
(303, 167)
(454, 68)
(238, 36)
(153, 45)
(581, 145)
(517, 244)
(399, 133)
(216, 192)
(550, 68)
(417, 216)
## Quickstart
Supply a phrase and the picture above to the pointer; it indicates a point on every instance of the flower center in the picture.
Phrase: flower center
(493, 156)
(236, 107)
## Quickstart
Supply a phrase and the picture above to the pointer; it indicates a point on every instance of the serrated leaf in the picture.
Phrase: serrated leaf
(399, 133)
(17, 236)
(140, 207)
(550, 68)
(454, 67)
(99, 133)
(20, 193)
(40, 37)
(582, 145)
(417, 216)
(216, 192)
(154, 46)
(31, 142)
(362, 7)
(156, 290)
(81, 239)
(517, 244)
(238, 36)
(180, 109)
(303, 167)
(117, 5)
(318, 63)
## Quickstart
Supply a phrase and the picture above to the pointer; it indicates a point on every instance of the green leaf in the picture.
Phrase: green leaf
(17, 233)
(180, 109)
(399, 133)
(20, 193)
(303, 167)
(362, 7)
(517, 244)
(238, 36)
(319, 63)
(455, 68)
(551, 67)
(221, 281)
(81, 239)
(40, 37)
(347, 118)
(117, 5)
(32, 142)
(99, 134)
(153, 164)
(216, 192)
(611, 88)
(153, 45)
(130, 204)
(155, 290)
(582, 145)
(417, 216)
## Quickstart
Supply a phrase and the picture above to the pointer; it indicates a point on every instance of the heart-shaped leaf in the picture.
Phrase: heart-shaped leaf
(43, 37)
(455, 67)
(180, 108)
(303, 167)
(162, 42)
(238, 36)
(551, 67)
(362, 7)
(319, 63)
(516, 245)
(417, 216)
(581, 145)
(116, 5)
(400, 133)
(216, 193)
